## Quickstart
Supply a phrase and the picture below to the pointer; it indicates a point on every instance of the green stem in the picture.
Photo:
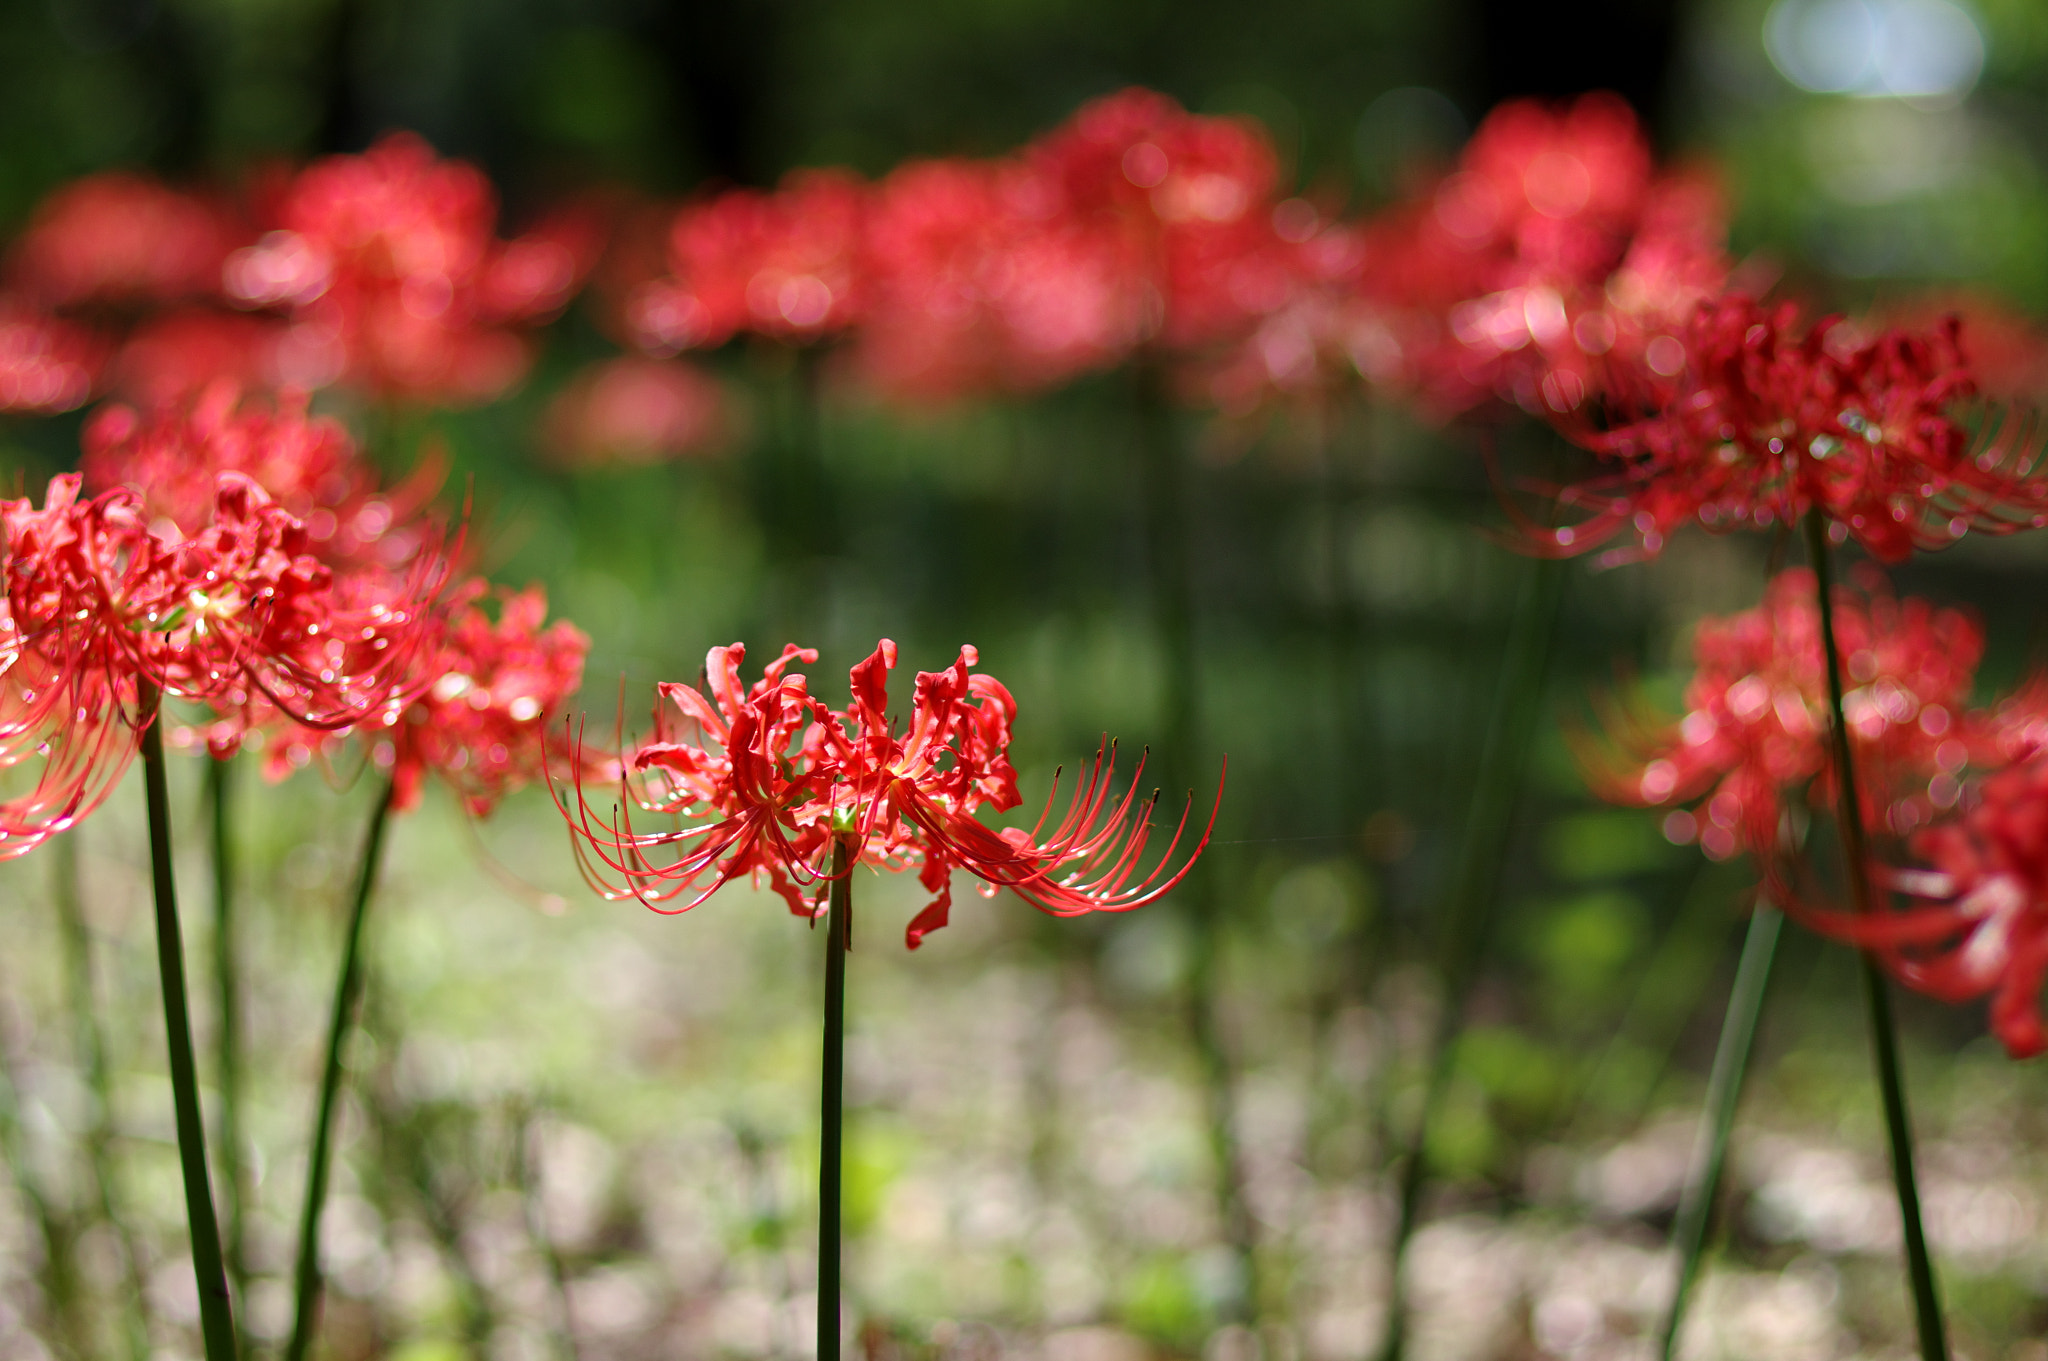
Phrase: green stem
(216, 1310)
(228, 1013)
(1468, 920)
(1883, 1028)
(92, 1053)
(831, 1098)
(348, 988)
(1724, 1090)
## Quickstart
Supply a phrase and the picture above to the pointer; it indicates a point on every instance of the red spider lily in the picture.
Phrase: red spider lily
(482, 723)
(1193, 196)
(1755, 725)
(173, 459)
(977, 282)
(1763, 423)
(105, 609)
(47, 364)
(1977, 919)
(121, 239)
(783, 265)
(1551, 255)
(636, 410)
(768, 781)
(387, 265)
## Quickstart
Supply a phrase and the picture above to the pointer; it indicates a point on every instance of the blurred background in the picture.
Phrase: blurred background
(580, 1129)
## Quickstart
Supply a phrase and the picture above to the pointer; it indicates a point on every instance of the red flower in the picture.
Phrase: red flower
(481, 724)
(1552, 255)
(103, 607)
(1755, 725)
(636, 410)
(1977, 920)
(173, 460)
(978, 282)
(121, 239)
(1762, 423)
(387, 264)
(782, 265)
(770, 781)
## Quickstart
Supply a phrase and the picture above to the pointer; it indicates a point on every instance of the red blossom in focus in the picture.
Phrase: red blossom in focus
(121, 239)
(1755, 726)
(105, 608)
(636, 410)
(47, 364)
(1764, 421)
(1552, 255)
(782, 264)
(389, 269)
(764, 781)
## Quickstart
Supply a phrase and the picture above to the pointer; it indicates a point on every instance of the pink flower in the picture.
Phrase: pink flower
(47, 364)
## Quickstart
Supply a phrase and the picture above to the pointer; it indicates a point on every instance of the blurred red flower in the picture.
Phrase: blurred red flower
(388, 267)
(636, 410)
(780, 264)
(47, 364)
(1755, 726)
(122, 239)
(1551, 255)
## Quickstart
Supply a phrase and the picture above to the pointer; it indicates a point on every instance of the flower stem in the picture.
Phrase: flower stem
(228, 1011)
(348, 988)
(1468, 920)
(92, 1056)
(838, 940)
(216, 1310)
(1883, 1028)
(1724, 1090)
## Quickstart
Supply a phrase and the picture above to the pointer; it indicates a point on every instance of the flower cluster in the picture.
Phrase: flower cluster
(1761, 420)
(106, 610)
(1755, 730)
(765, 781)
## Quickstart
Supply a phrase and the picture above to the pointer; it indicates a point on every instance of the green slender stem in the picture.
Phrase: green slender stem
(92, 1054)
(1724, 1091)
(831, 1098)
(1877, 994)
(1471, 909)
(228, 1012)
(348, 988)
(216, 1310)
